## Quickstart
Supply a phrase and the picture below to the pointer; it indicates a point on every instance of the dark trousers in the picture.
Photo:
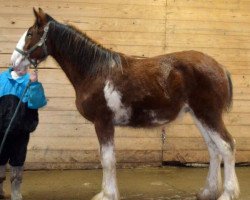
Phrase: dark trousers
(14, 149)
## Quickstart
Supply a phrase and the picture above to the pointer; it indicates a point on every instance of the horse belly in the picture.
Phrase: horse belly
(148, 118)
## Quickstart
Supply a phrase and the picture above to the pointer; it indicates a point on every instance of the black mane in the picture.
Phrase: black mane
(86, 54)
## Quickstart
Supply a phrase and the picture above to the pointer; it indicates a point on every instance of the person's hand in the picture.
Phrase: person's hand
(33, 76)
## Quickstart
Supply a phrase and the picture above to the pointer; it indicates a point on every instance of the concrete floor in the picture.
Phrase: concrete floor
(135, 184)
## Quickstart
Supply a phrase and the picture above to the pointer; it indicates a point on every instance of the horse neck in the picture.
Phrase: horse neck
(63, 57)
(78, 55)
(74, 77)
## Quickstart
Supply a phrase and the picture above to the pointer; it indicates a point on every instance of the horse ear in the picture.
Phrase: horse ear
(41, 12)
(35, 13)
(41, 17)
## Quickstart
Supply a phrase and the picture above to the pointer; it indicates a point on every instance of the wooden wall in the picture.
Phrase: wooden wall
(220, 28)
(64, 139)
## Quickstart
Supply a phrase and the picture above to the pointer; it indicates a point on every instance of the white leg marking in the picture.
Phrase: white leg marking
(113, 98)
(231, 185)
(213, 187)
(109, 183)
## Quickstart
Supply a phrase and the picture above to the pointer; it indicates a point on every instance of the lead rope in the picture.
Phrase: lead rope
(14, 116)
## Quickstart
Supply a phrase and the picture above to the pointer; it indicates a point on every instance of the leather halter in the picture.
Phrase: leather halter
(41, 43)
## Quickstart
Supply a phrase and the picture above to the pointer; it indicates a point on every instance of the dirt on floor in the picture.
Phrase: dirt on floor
(166, 183)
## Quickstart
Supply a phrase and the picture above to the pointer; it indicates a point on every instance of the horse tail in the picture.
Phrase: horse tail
(229, 100)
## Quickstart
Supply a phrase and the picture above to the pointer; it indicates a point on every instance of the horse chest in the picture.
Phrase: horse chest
(89, 106)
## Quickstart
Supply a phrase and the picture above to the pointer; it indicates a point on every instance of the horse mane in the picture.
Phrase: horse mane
(83, 52)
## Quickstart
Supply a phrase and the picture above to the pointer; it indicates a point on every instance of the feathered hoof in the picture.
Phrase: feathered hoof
(207, 194)
(102, 196)
(16, 197)
(229, 196)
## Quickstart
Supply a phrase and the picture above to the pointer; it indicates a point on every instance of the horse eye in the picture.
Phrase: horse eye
(29, 35)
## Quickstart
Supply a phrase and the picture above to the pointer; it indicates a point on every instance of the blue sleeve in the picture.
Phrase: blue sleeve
(36, 96)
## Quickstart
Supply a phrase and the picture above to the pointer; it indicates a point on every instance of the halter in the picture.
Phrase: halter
(40, 43)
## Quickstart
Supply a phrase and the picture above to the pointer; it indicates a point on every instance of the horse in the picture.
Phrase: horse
(114, 89)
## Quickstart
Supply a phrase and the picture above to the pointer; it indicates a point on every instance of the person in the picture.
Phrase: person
(12, 84)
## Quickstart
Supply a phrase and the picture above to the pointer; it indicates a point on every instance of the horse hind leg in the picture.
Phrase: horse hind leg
(222, 143)
(213, 186)
(105, 135)
(227, 151)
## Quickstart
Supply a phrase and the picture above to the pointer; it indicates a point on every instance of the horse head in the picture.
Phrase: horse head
(33, 46)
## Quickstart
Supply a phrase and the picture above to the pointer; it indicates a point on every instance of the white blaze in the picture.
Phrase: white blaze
(17, 59)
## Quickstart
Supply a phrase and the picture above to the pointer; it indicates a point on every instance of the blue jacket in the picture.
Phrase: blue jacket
(11, 91)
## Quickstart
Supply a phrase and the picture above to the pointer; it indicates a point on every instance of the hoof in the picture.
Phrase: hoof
(225, 197)
(16, 197)
(207, 194)
(98, 196)
(102, 196)
(229, 196)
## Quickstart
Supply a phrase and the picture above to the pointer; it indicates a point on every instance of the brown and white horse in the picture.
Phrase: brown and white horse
(116, 89)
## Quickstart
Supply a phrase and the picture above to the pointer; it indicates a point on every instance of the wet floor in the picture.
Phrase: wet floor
(167, 183)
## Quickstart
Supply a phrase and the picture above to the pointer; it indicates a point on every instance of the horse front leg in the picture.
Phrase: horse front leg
(105, 133)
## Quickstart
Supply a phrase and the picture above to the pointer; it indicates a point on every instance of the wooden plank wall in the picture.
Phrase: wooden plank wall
(64, 139)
